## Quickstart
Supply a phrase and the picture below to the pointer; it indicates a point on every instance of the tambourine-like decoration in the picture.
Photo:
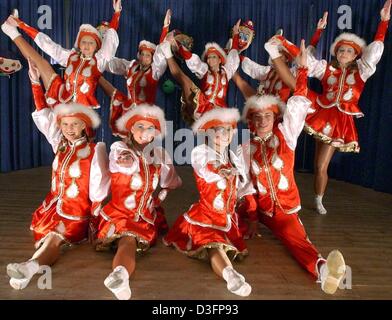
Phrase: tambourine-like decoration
(9, 66)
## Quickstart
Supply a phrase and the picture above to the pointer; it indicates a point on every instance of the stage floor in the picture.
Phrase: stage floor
(359, 223)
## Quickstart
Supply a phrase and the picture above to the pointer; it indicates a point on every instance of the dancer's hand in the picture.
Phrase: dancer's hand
(117, 5)
(236, 28)
(302, 59)
(322, 23)
(167, 20)
(386, 11)
(34, 74)
(13, 21)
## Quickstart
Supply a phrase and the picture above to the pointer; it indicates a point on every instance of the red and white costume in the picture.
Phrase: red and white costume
(271, 168)
(212, 221)
(132, 209)
(213, 85)
(82, 73)
(142, 84)
(80, 177)
(333, 122)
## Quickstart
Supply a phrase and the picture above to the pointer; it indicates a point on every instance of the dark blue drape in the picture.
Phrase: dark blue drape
(209, 20)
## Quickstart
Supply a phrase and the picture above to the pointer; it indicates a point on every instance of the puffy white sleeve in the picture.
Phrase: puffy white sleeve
(316, 68)
(51, 48)
(232, 63)
(115, 150)
(169, 178)
(99, 174)
(245, 185)
(198, 67)
(159, 63)
(199, 160)
(294, 119)
(45, 120)
(255, 70)
(118, 66)
(370, 57)
(108, 49)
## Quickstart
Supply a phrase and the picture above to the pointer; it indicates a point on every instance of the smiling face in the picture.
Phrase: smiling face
(72, 128)
(213, 61)
(221, 136)
(143, 132)
(145, 58)
(345, 54)
(263, 122)
(88, 46)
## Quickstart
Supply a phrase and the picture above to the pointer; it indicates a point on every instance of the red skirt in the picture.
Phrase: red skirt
(114, 224)
(194, 240)
(45, 222)
(333, 127)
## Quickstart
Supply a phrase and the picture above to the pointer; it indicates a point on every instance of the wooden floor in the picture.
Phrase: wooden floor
(359, 223)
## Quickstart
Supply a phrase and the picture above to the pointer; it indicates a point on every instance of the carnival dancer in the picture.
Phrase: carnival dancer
(80, 182)
(271, 155)
(343, 80)
(209, 229)
(84, 64)
(138, 168)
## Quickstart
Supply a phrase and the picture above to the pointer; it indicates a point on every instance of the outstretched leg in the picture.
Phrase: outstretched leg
(245, 88)
(222, 266)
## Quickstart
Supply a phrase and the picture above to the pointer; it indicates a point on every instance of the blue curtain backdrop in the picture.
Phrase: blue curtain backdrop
(207, 20)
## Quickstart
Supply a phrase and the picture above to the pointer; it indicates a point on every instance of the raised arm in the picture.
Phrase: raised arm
(166, 25)
(321, 25)
(233, 58)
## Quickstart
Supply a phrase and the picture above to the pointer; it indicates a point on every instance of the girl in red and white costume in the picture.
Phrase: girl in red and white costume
(80, 181)
(137, 169)
(209, 230)
(343, 80)
(269, 78)
(214, 70)
(271, 155)
(142, 74)
(85, 62)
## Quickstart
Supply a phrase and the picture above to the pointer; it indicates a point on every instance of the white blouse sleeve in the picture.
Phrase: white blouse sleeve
(169, 178)
(255, 70)
(198, 67)
(244, 182)
(199, 160)
(51, 48)
(159, 64)
(45, 120)
(316, 68)
(99, 174)
(118, 66)
(294, 119)
(115, 151)
(108, 49)
(370, 57)
(232, 63)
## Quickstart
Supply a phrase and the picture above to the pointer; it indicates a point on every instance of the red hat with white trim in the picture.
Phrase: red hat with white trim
(349, 39)
(213, 47)
(88, 30)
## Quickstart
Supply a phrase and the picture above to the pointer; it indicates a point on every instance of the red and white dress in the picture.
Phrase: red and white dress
(213, 85)
(81, 74)
(332, 122)
(80, 181)
(132, 208)
(212, 221)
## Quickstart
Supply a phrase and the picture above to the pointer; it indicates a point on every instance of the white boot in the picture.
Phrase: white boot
(318, 202)
(166, 49)
(24, 270)
(236, 282)
(19, 284)
(10, 30)
(332, 272)
(118, 283)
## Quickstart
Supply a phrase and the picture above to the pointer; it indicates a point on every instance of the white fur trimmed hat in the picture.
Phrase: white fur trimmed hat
(88, 30)
(216, 117)
(350, 39)
(259, 103)
(147, 45)
(145, 112)
(213, 47)
(87, 115)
